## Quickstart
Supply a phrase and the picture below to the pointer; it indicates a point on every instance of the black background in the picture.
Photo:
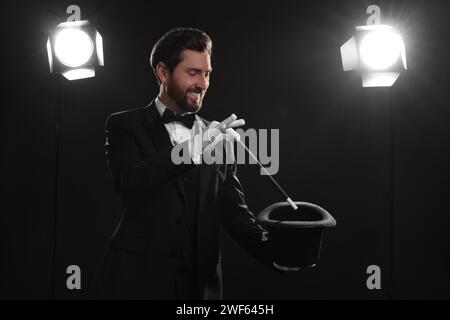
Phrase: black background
(277, 65)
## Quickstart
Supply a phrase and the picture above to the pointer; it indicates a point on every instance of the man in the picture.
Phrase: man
(166, 245)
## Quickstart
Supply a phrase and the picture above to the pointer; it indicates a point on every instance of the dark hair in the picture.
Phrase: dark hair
(169, 47)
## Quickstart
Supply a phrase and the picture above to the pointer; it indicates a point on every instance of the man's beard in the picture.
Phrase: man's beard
(179, 96)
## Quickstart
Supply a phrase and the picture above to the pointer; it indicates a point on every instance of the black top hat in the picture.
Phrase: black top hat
(295, 235)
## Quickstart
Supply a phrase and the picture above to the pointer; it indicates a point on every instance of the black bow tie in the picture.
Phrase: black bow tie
(187, 120)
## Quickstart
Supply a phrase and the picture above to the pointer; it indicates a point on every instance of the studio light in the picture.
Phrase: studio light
(378, 52)
(380, 49)
(74, 49)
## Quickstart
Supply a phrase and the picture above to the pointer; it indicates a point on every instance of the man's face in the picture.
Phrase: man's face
(188, 82)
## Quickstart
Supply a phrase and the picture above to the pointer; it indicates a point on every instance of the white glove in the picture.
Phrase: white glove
(216, 132)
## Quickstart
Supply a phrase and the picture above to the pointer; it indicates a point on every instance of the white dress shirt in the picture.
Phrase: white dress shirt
(178, 132)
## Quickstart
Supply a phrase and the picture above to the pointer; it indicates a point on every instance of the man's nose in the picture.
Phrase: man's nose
(203, 83)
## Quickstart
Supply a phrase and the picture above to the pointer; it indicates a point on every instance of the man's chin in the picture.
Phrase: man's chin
(196, 108)
(191, 107)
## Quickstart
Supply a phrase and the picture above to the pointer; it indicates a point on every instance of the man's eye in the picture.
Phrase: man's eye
(192, 73)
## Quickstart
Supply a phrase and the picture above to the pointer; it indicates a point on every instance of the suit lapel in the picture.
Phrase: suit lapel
(155, 127)
(204, 177)
(159, 135)
(160, 138)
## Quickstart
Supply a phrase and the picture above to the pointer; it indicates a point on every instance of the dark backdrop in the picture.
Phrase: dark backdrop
(277, 65)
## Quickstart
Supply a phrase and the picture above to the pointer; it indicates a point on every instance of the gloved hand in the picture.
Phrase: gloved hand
(207, 142)
(216, 132)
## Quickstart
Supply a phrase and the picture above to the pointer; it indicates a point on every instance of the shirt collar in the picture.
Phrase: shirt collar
(161, 107)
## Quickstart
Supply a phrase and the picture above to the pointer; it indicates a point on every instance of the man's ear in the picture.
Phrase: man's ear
(162, 72)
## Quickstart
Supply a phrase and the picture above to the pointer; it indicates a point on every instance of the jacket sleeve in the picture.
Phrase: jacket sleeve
(133, 175)
(240, 222)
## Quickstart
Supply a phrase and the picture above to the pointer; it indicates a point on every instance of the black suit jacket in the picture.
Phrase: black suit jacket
(142, 255)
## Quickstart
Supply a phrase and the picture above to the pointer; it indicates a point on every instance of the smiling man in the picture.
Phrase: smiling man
(166, 245)
(183, 87)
